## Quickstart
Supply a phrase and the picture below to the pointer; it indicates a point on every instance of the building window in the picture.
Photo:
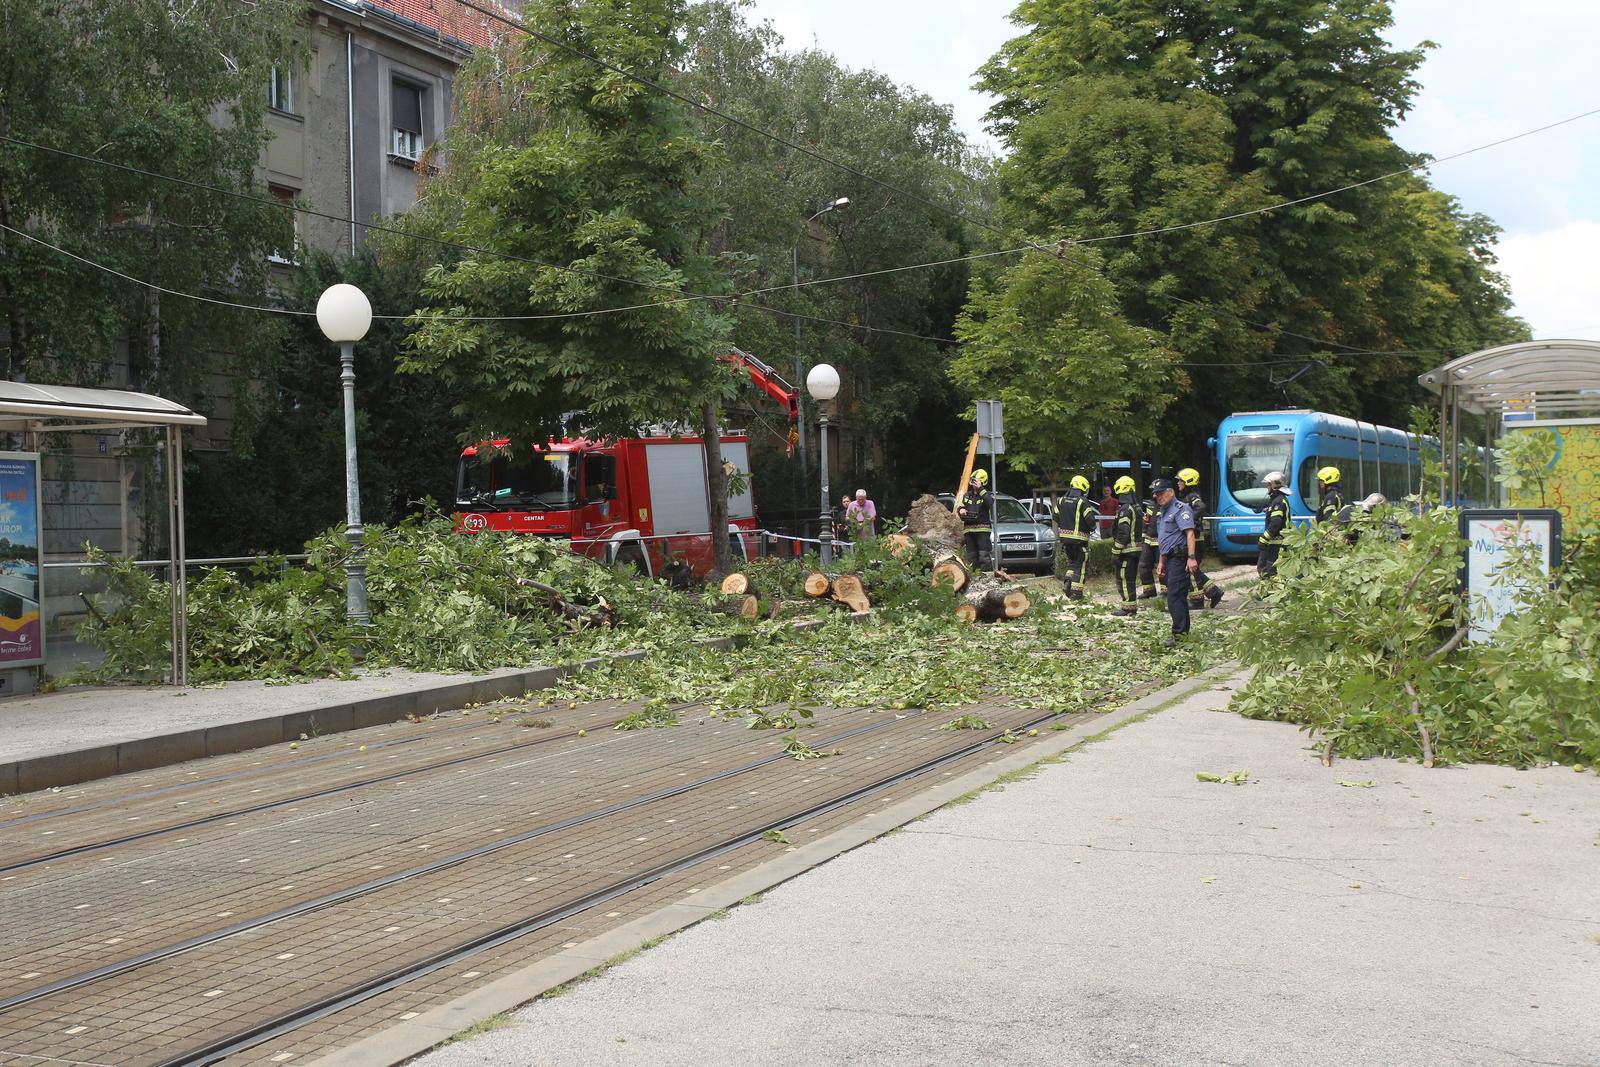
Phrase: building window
(286, 196)
(280, 90)
(406, 113)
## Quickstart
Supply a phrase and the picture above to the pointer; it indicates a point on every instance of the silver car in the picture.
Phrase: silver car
(1024, 543)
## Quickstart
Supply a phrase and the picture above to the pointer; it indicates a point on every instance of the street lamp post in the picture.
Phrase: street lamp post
(345, 315)
(823, 385)
(794, 272)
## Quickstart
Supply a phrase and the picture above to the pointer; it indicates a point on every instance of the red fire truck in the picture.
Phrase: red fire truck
(639, 500)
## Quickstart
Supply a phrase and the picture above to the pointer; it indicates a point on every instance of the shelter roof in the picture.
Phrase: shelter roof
(24, 402)
(1552, 378)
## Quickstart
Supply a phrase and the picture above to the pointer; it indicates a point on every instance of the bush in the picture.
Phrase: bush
(439, 600)
(1364, 648)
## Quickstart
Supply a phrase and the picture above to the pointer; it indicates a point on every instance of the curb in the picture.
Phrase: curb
(403, 1041)
(179, 746)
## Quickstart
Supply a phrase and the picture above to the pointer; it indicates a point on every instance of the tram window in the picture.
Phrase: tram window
(1396, 480)
(1369, 481)
(1308, 480)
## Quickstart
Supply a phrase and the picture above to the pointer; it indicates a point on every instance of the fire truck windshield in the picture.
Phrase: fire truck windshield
(539, 481)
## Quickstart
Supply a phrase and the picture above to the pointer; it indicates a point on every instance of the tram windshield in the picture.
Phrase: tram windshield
(1252, 457)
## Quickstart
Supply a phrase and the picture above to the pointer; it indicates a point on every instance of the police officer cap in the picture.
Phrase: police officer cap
(1160, 485)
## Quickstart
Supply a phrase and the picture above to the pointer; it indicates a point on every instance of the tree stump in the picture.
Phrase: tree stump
(939, 529)
(848, 590)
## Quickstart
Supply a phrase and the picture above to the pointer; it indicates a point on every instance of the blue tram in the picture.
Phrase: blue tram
(1249, 444)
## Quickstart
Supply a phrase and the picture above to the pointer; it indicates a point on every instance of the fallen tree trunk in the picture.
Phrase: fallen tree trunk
(966, 612)
(951, 570)
(818, 584)
(747, 606)
(993, 600)
(601, 614)
(901, 545)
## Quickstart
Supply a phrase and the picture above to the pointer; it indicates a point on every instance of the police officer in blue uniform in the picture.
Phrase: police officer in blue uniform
(1175, 540)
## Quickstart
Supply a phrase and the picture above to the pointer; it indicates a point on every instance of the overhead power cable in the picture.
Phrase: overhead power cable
(266, 309)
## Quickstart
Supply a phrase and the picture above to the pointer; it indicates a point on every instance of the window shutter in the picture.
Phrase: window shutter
(407, 108)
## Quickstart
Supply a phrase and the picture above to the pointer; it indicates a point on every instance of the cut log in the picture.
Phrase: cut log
(901, 545)
(1017, 604)
(952, 571)
(848, 590)
(736, 584)
(747, 606)
(966, 613)
(818, 584)
(601, 614)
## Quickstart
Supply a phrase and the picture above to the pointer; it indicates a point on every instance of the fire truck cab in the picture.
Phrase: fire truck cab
(639, 500)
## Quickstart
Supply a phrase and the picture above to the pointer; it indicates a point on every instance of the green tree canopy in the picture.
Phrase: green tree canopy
(174, 88)
(1133, 115)
(1048, 340)
(558, 161)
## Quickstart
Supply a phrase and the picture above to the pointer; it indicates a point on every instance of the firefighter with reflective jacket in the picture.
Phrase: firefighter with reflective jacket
(1277, 516)
(1076, 518)
(1206, 592)
(1150, 552)
(974, 512)
(1127, 544)
(1330, 499)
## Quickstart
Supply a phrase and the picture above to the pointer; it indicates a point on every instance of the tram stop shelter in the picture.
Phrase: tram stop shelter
(33, 410)
(1552, 384)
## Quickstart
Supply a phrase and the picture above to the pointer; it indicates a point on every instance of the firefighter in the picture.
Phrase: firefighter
(1330, 498)
(1127, 544)
(974, 512)
(1151, 552)
(1076, 517)
(1206, 592)
(1277, 516)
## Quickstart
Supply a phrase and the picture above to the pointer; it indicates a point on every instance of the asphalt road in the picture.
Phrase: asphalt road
(1114, 909)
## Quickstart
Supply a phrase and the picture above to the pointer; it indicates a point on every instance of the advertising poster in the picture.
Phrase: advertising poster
(1573, 484)
(1490, 537)
(21, 626)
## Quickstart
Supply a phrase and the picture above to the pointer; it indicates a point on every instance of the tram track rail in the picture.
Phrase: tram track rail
(84, 978)
(57, 856)
(260, 1031)
(244, 773)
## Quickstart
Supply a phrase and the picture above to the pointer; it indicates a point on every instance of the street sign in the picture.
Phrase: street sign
(1490, 536)
(991, 428)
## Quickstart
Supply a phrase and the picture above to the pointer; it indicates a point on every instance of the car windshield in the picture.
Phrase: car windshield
(539, 481)
(1007, 509)
(1250, 458)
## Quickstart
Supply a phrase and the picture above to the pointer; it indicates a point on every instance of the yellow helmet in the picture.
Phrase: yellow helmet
(1328, 475)
(1124, 485)
(1189, 476)
(1080, 483)
(980, 476)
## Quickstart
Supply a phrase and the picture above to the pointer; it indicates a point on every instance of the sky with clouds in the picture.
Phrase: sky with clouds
(1498, 69)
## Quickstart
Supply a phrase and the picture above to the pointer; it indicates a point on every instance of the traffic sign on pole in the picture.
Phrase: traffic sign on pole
(991, 428)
